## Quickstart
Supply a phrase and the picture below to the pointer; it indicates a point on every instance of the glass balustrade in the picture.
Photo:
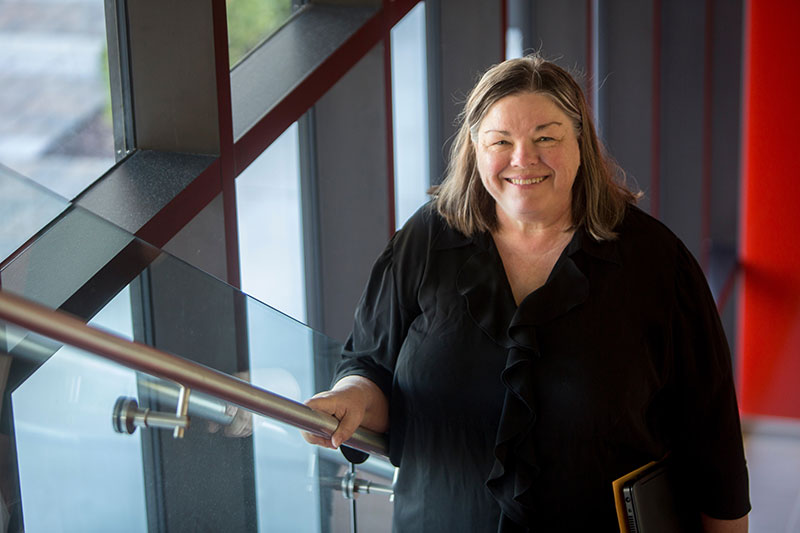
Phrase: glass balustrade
(67, 467)
(27, 208)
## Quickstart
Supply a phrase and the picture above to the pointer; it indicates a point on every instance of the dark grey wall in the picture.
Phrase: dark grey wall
(726, 158)
(625, 105)
(682, 45)
(559, 32)
(352, 188)
(463, 41)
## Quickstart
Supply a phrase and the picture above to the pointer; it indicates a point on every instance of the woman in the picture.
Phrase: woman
(532, 336)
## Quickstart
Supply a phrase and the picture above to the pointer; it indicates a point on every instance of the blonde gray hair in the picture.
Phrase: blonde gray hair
(599, 195)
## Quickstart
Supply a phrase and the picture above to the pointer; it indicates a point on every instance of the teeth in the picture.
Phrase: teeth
(529, 181)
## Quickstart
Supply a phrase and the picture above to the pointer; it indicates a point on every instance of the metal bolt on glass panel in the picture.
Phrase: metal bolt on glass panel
(127, 417)
(351, 486)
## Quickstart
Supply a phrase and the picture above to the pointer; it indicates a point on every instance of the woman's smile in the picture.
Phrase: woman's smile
(526, 181)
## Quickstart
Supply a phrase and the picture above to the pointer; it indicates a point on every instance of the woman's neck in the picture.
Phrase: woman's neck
(538, 233)
(529, 252)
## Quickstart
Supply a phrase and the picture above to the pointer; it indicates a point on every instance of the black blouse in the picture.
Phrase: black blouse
(518, 418)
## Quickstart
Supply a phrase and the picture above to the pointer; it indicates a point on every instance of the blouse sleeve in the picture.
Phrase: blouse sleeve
(709, 431)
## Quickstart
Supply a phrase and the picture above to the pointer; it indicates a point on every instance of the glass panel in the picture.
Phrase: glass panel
(282, 361)
(410, 114)
(27, 208)
(63, 467)
(55, 110)
(251, 22)
(76, 473)
(268, 209)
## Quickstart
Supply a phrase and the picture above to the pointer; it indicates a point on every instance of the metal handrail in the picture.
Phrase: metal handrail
(66, 329)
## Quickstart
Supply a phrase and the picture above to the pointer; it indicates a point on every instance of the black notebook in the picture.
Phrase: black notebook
(648, 501)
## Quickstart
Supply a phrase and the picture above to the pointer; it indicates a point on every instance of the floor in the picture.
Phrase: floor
(773, 456)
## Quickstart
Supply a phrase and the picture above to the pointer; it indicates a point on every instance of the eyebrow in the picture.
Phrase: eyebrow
(538, 128)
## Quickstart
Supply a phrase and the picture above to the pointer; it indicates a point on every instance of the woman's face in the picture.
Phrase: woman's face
(528, 156)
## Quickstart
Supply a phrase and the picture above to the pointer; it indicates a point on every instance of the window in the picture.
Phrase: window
(270, 232)
(250, 22)
(513, 42)
(410, 114)
(55, 107)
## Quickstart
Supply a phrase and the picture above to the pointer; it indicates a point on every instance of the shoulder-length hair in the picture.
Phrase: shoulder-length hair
(599, 196)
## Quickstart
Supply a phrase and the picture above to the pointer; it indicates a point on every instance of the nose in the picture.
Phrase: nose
(524, 155)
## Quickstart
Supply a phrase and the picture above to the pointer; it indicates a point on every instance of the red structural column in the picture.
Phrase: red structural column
(769, 311)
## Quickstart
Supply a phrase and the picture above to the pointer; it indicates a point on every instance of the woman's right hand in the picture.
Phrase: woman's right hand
(355, 401)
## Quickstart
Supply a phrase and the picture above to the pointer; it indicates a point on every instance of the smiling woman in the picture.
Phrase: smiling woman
(530, 335)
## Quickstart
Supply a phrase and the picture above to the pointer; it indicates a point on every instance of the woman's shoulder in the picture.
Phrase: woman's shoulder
(647, 243)
(637, 224)
(424, 217)
(641, 233)
(423, 229)
(645, 239)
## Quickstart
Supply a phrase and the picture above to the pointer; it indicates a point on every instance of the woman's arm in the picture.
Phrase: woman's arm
(715, 525)
(355, 401)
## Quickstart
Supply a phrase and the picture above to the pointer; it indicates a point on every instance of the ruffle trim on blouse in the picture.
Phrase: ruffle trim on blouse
(483, 283)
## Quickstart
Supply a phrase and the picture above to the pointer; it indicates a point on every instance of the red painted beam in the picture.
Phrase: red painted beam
(227, 161)
(504, 29)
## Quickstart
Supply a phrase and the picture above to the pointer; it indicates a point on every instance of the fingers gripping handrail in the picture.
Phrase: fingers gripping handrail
(66, 329)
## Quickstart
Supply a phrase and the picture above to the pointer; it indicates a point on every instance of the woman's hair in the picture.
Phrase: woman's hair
(599, 196)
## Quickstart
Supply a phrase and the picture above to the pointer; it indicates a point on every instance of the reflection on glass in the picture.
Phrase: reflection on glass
(410, 113)
(270, 231)
(281, 360)
(75, 473)
(252, 21)
(26, 207)
(55, 112)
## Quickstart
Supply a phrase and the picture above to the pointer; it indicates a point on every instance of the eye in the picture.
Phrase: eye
(544, 138)
(501, 142)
